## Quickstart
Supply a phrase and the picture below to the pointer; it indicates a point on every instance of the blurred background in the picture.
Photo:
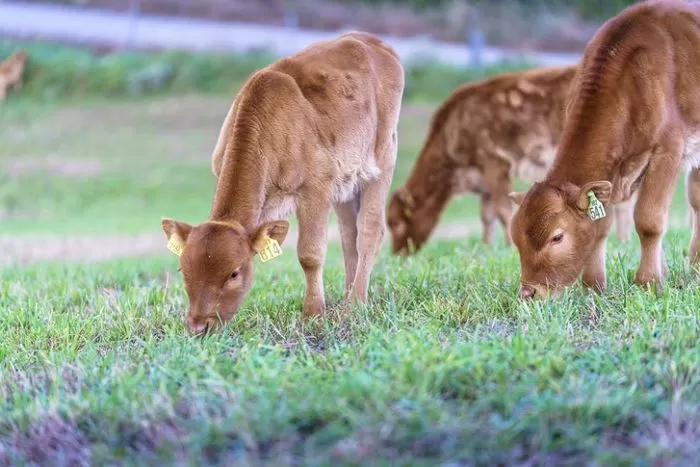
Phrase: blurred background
(122, 100)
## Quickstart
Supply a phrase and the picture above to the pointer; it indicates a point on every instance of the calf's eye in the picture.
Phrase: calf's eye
(558, 238)
(234, 275)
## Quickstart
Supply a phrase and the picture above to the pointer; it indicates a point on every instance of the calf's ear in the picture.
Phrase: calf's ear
(277, 230)
(602, 189)
(517, 197)
(177, 233)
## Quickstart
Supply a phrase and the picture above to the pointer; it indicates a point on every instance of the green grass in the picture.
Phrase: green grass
(444, 365)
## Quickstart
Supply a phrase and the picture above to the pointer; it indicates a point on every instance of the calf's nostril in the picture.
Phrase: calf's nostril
(197, 327)
(526, 291)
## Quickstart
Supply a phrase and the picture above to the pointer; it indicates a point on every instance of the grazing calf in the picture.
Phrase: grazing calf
(11, 72)
(632, 125)
(309, 133)
(481, 137)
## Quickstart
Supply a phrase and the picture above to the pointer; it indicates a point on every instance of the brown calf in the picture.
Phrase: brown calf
(11, 71)
(311, 132)
(632, 125)
(481, 137)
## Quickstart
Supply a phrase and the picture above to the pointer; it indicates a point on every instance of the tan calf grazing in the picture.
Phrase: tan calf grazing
(485, 134)
(632, 125)
(309, 133)
(11, 72)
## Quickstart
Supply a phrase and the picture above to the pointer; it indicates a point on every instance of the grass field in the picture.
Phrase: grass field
(444, 367)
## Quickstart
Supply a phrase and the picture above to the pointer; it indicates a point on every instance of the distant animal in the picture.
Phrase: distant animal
(312, 132)
(632, 126)
(11, 72)
(485, 134)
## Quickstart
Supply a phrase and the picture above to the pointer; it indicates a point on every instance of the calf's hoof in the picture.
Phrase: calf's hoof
(597, 283)
(650, 282)
(694, 254)
(358, 299)
(314, 309)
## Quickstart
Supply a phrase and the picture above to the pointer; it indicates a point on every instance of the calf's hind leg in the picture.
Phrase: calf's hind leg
(693, 191)
(371, 216)
(347, 224)
(499, 185)
(370, 232)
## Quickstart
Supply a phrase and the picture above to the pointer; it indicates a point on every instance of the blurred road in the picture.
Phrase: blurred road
(54, 22)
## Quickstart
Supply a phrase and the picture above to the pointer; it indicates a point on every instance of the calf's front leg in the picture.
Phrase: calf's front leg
(594, 275)
(623, 219)
(651, 214)
(312, 246)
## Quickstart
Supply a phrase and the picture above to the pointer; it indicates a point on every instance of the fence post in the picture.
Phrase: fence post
(476, 46)
(134, 10)
(291, 15)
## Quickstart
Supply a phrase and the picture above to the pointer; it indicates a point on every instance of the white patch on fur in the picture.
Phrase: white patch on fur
(534, 167)
(353, 172)
(467, 180)
(691, 156)
(277, 206)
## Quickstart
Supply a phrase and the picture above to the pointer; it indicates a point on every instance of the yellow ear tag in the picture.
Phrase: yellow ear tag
(175, 244)
(271, 249)
(596, 210)
(407, 212)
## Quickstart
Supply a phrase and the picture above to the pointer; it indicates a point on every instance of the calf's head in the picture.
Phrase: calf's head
(555, 233)
(409, 224)
(216, 259)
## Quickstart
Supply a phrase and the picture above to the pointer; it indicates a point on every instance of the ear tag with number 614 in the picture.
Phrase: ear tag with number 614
(271, 249)
(175, 244)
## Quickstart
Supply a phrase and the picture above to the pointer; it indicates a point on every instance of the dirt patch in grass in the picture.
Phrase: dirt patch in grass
(675, 439)
(26, 249)
(45, 442)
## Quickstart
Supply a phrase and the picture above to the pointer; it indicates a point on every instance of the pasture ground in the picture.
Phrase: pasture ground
(444, 367)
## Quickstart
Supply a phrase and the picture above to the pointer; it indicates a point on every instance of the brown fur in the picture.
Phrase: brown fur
(311, 132)
(632, 125)
(481, 137)
(11, 72)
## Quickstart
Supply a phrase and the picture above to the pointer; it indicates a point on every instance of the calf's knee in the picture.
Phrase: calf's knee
(310, 262)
